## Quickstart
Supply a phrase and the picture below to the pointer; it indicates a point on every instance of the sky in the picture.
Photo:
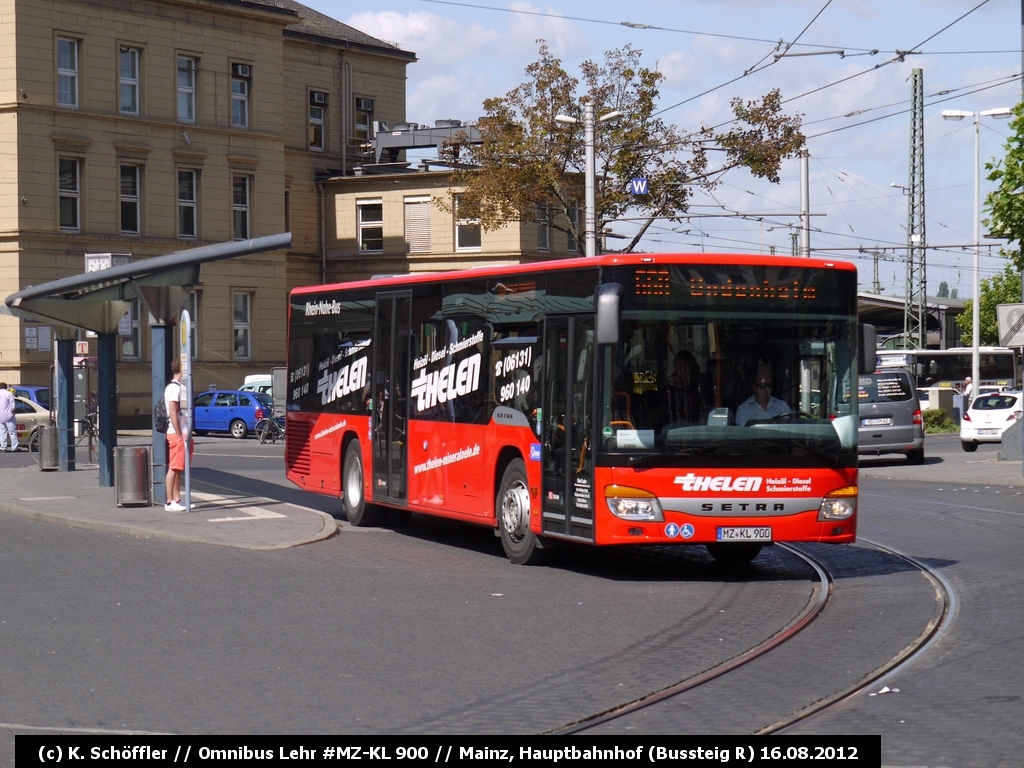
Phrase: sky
(858, 131)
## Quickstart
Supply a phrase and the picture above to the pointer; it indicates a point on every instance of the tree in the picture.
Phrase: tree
(943, 290)
(1003, 288)
(1004, 203)
(531, 168)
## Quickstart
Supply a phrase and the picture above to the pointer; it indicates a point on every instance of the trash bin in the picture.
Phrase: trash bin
(131, 476)
(49, 449)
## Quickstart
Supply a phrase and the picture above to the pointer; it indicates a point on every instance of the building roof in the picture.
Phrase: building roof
(319, 27)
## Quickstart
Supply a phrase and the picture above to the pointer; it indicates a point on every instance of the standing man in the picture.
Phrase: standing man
(8, 425)
(178, 427)
(761, 405)
(968, 388)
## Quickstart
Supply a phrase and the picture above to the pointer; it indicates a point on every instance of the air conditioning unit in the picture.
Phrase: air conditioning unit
(317, 98)
(240, 70)
(364, 105)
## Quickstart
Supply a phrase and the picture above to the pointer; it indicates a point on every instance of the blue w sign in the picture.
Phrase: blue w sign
(638, 186)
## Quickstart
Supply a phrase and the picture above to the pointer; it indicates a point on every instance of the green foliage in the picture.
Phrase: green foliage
(1005, 203)
(529, 167)
(937, 421)
(1003, 288)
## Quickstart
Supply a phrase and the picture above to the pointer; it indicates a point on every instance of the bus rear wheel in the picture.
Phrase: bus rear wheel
(513, 505)
(733, 554)
(353, 501)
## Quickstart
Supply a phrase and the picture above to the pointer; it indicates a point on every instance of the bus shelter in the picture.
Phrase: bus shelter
(96, 301)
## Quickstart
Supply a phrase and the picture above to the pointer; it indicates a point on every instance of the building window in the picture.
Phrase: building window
(242, 324)
(417, 225)
(370, 219)
(70, 192)
(240, 80)
(130, 197)
(240, 207)
(317, 113)
(573, 214)
(129, 67)
(67, 72)
(287, 211)
(187, 204)
(364, 119)
(543, 228)
(467, 231)
(186, 89)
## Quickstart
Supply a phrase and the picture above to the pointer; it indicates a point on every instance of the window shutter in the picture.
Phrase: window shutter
(417, 227)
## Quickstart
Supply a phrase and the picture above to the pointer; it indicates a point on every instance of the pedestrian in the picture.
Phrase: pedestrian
(968, 388)
(178, 428)
(8, 425)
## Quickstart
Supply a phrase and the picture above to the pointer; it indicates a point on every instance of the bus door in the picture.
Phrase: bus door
(567, 491)
(391, 396)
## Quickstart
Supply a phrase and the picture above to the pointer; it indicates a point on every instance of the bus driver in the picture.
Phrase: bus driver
(761, 405)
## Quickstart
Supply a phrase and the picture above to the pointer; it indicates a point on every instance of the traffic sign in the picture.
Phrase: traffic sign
(1010, 318)
(638, 186)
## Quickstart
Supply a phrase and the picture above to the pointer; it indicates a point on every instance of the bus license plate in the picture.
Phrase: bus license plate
(744, 534)
(876, 422)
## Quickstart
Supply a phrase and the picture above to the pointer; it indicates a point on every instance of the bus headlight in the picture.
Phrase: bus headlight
(633, 503)
(839, 504)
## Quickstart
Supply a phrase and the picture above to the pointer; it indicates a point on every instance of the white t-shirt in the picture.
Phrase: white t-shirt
(750, 410)
(175, 391)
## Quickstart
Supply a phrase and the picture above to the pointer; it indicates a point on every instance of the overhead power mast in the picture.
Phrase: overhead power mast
(915, 315)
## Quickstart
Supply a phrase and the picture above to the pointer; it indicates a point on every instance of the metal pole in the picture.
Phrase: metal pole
(107, 386)
(590, 226)
(976, 308)
(805, 203)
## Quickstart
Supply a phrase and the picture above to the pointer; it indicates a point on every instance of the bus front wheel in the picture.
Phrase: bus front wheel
(359, 513)
(513, 505)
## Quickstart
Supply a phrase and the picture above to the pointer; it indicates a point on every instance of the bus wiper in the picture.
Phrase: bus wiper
(688, 450)
(831, 458)
(654, 458)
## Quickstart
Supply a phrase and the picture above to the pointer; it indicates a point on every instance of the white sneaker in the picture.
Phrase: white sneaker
(173, 506)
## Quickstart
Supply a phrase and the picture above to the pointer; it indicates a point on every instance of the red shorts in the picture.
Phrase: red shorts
(176, 451)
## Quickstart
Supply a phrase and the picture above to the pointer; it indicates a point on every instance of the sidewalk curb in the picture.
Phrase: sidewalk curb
(329, 530)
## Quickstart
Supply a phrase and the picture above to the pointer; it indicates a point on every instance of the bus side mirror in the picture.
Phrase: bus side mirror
(609, 313)
(867, 353)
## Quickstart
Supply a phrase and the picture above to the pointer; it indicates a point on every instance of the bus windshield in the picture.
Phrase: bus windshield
(737, 369)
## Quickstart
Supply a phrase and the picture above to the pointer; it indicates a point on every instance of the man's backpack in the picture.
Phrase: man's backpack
(161, 421)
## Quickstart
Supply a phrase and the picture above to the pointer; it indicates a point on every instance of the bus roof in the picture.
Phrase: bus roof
(607, 260)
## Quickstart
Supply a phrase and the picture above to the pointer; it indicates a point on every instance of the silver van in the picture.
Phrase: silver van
(890, 415)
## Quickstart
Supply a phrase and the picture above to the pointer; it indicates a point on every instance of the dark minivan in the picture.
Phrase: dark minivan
(890, 415)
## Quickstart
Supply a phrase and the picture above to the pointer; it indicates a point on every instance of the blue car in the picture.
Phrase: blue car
(229, 410)
(36, 394)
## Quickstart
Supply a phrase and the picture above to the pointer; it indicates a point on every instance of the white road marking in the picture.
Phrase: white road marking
(234, 504)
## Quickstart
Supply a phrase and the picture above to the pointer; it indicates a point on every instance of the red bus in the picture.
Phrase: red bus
(621, 399)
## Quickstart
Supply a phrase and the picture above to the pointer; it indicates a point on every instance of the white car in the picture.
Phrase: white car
(29, 417)
(989, 416)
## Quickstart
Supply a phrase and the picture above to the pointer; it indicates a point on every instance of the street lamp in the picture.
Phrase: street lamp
(590, 217)
(956, 114)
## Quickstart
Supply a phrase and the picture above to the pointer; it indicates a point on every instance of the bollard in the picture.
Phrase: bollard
(131, 476)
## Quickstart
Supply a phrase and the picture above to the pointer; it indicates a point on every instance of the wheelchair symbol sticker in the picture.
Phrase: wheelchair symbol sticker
(686, 531)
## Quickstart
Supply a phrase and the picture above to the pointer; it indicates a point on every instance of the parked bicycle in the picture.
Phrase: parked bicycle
(269, 428)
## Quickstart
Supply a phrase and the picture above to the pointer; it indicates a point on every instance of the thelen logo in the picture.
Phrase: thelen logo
(692, 482)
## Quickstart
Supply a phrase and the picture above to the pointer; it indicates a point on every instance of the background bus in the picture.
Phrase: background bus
(1000, 366)
(605, 401)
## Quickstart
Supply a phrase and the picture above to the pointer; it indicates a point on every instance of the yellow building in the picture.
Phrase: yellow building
(390, 223)
(138, 128)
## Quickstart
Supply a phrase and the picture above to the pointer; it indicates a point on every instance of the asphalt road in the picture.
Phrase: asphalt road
(430, 630)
